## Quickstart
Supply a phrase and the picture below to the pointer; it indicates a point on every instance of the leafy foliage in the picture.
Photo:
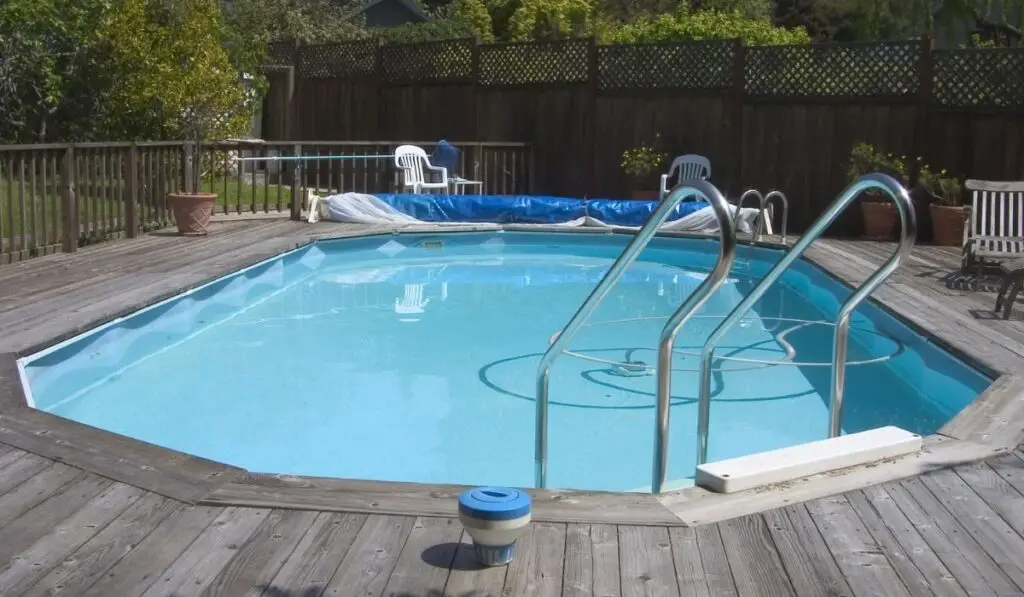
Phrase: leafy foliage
(639, 162)
(306, 21)
(429, 31)
(173, 70)
(550, 19)
(685, 25)
(475, 14)
(51, 74)
(865, 159)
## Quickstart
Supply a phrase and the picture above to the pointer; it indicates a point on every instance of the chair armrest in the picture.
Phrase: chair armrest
(441, 169)
(664, 186)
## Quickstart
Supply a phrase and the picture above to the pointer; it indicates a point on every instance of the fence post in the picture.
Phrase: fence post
(297, 198)
(739, 65)
(131, 215)
(474, 73)
(926, 70)
(593, 74)
(378, 80)
(69, 206)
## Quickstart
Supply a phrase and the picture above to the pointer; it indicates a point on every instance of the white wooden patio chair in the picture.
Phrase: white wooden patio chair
(994, 232)
(413, 162)
(685, 167)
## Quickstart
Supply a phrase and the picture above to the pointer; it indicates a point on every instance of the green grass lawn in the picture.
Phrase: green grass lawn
(38, 214)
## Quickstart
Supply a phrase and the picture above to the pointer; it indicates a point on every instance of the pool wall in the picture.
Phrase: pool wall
(83, 361)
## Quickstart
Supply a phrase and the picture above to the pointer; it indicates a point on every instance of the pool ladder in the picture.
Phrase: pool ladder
(726, 255)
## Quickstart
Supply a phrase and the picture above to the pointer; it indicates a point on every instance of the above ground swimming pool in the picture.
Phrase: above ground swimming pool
(413, 358)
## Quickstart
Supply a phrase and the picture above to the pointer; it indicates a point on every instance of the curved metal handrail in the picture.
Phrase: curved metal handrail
(908, 232)
(739, 208)
(785, 209)
(625, 259)
(717, 276)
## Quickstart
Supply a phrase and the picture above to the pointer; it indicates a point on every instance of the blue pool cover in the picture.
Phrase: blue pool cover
(530, 209)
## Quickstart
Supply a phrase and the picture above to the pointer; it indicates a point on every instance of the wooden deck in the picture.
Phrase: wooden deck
(65, 530)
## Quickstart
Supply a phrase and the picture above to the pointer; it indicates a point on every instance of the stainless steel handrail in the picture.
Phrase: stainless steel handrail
(908, 232)
(625, 259)
(739, 209)
(785, 209)
(717, 276)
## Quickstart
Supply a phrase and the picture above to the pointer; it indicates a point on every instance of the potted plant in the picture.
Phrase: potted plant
(640, 164)
(207, 98)
(879, 213)
(948, 214)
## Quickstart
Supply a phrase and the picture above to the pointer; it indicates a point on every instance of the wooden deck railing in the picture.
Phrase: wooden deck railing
(58, 197)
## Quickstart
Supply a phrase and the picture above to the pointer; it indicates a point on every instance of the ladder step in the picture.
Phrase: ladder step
(787, 464)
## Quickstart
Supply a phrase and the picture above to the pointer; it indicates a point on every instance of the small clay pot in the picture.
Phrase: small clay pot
(192, 211)
(948, 224)
(880, 219)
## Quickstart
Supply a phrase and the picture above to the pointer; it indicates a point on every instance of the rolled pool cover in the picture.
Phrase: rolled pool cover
(530, 209)
(410, 209)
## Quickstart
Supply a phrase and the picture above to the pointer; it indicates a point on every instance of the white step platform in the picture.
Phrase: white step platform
(786, 464)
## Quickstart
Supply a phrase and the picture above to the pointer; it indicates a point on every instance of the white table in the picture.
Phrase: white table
(459, 184)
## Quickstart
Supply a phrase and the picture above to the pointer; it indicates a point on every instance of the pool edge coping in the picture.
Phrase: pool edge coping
(982, 430)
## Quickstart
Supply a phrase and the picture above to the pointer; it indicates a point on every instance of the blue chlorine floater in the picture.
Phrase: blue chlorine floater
(494, 517)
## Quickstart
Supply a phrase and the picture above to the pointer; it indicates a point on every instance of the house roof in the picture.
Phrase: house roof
(360, 6)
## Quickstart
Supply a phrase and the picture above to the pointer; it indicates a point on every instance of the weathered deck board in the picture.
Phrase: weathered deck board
(65, 531)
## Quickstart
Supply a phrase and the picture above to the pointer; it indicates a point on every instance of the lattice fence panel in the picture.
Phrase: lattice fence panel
(834, 70)
(427, 62)
(704, 65)
(564, 61)
(989, 78)
(348, 59)
(281, 53)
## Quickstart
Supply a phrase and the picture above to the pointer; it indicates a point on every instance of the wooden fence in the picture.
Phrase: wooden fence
(781, 117)
(60, 197)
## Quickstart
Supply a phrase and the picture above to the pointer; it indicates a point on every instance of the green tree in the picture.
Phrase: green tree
(550, 19)
(474, 13)
(52, 78)
(307, 21)
(754, 9)
(173, 71)
(686, 25)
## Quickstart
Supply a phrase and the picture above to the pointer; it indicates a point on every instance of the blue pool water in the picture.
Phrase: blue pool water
(413, 358)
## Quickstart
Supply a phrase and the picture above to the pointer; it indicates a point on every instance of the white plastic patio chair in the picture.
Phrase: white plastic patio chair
(995, 230)
(414, 163)
(685, 167)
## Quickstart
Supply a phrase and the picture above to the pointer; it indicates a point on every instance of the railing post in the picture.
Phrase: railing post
(69, 206)
(131, 215)
(297, 198)
(188, 166)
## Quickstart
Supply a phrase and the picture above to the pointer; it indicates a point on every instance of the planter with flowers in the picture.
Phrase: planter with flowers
(641, 165)
(879, 213)
(945, 194)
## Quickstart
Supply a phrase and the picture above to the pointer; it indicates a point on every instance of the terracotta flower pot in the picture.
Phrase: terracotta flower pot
(192, 211)
(948, 224)
(646, 195)
(880, 219)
